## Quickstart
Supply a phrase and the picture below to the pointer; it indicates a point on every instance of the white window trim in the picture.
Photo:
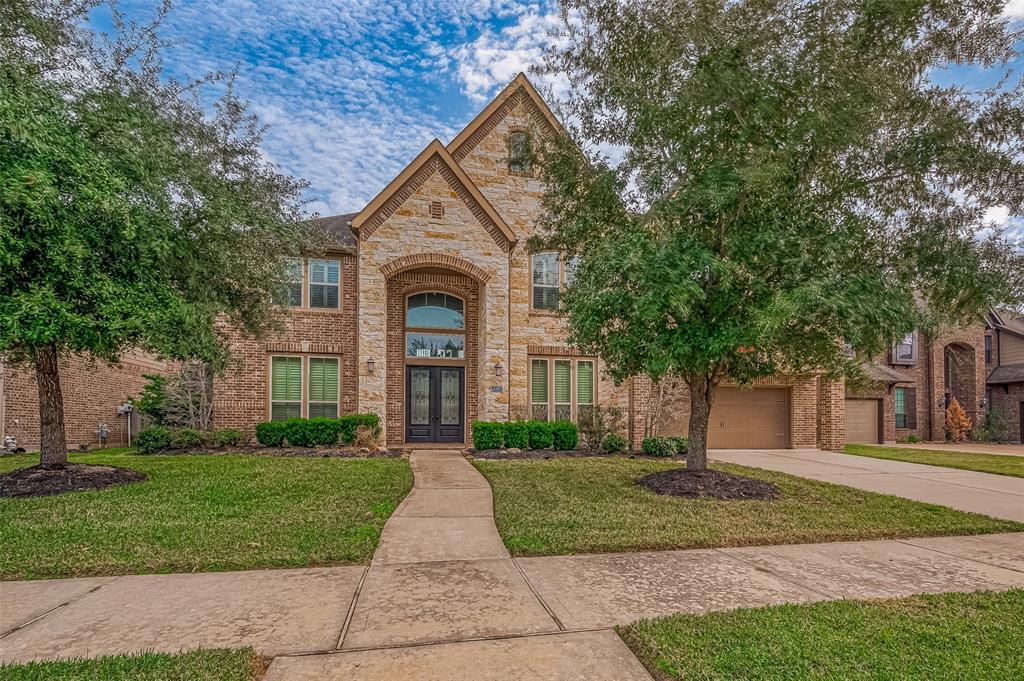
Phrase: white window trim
(310, 283)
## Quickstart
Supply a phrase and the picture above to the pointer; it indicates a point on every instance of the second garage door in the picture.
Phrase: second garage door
(750, 419)
(862, 418)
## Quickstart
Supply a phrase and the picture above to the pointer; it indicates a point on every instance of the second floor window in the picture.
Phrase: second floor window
(293, 290)
(324, 284)
(546, 280)
(905, 352)
(520, 158)
(988, 349)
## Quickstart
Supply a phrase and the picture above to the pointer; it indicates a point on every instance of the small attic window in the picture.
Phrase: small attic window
(520, 158)
(436, 210)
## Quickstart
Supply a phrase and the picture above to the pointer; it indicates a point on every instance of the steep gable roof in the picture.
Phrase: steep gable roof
(434, 158)
(518, 90)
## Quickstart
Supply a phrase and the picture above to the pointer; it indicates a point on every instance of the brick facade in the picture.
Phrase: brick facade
(92, 392)
(241, 394)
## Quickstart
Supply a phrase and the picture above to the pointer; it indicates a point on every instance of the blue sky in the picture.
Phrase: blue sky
(352, 90)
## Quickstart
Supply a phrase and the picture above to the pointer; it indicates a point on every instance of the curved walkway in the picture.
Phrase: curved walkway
(442, 599)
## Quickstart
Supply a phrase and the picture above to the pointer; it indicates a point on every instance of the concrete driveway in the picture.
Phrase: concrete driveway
(999, 496)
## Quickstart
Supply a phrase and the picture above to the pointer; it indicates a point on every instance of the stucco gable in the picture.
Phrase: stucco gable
(517, 93)
(434, 159)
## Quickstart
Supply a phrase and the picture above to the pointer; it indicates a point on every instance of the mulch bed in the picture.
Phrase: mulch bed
(37, 481)
(308, 452)
(680, 482)
(500, 454)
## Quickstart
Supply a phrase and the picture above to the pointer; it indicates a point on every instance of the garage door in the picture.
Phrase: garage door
(750, 419)
(862, 421)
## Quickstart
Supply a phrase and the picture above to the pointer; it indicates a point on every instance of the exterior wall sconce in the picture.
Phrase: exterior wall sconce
(984, 402)
(497, 370)
(370, 364)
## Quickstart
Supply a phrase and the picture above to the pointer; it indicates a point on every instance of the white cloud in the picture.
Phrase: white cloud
(1014, 9)
(998, 215)
(495, 57)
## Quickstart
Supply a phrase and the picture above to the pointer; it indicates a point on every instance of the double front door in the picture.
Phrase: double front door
(434, 403)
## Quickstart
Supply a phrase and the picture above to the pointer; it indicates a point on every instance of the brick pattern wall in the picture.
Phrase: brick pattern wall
(241, 394)
(1010, 400)
(831, 413)
(92, 392)
(414, 281)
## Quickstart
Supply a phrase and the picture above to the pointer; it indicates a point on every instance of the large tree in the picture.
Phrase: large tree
(129, 218)
(797, 182)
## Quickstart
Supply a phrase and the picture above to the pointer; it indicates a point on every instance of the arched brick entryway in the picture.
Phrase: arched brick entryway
(422, 273)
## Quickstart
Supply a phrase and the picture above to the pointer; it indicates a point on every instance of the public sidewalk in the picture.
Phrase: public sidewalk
(443, 600)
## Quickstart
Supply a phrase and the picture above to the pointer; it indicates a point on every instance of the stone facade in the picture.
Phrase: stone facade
(92, 392)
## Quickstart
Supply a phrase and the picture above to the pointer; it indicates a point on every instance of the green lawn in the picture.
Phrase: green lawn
(199, 513)
(196, 665)
(590, 505)
(952, 636)
(1000, 464)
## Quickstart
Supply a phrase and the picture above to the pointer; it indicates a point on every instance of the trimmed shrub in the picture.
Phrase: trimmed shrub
(153, 439)
(186, 437)
(613, 443)
(541, 436)
(488, 434)
(517, 435)
(564, 435)
(348, 423)
(298, 432)
(323, 430)
(658, 446)
(226, 437)
(679, 445)
(270, 433)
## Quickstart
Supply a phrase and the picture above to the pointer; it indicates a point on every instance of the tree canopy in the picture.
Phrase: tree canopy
(129, 217)
(797, 185)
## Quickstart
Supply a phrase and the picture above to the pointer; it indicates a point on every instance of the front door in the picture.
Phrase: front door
(434, 404)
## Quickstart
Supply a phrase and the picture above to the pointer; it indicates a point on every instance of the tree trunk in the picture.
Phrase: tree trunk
(53, 447)
(702, 396)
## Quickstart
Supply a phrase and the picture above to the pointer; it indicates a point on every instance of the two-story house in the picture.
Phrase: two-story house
(430, 310)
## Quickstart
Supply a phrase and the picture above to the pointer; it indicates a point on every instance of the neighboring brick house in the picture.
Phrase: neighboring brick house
(1004, 357)
(92, 392)
(429, 310)
(981, 365)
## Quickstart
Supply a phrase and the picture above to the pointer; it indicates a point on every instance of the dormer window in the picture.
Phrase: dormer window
(520, 158)
(905, 352)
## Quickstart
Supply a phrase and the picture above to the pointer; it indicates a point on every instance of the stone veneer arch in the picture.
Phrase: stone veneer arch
(440, 260)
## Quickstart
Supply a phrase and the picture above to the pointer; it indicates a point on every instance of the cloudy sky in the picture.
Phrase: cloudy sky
(353, 89)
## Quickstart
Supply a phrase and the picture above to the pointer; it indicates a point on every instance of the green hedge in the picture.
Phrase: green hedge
(317, 431)
(664, 447)
(153, 439)
(562, 435)
(613, 442)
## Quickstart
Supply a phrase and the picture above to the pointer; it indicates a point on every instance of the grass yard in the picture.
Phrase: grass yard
(196, 665)
(203, 513)
(951, 636)
(1000, 464)
(591, 505)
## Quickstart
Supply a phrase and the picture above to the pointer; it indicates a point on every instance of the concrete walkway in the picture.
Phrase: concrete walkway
(443, 600)
(1000, 496)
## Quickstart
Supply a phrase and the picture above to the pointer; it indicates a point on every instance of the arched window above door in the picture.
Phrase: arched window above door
(434, 326)
(433, 310)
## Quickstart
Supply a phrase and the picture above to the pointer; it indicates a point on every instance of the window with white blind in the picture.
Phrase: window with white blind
(562, 388)
(323, 387)
(546, 280)
(325, 284)
(285, 388)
